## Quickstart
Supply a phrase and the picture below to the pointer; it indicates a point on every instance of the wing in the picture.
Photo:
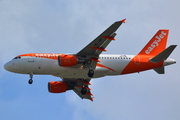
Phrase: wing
(90, 55)
(88, 95)
(99, 44)
(80, 87)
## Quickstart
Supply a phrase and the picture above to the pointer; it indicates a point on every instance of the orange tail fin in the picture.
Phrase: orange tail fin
(157, 44)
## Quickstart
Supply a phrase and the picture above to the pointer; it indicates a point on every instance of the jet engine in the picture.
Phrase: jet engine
(67, 60)
(57, 87)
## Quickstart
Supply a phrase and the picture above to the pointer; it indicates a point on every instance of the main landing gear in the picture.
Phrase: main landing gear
(84, 90)
(87, 64)
(91, 73)
(31, 76)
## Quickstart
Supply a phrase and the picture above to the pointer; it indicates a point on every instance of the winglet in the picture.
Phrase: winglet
(123, 21)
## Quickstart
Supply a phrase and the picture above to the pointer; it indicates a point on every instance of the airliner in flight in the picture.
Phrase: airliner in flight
(76, 70)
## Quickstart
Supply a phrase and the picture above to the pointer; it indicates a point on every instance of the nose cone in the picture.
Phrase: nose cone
(7, 66)
(14, 66)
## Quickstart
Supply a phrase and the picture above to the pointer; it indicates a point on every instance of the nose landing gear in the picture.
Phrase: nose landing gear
(31, 76)
(30, 81)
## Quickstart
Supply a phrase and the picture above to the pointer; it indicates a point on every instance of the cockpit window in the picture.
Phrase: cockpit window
(17, 58)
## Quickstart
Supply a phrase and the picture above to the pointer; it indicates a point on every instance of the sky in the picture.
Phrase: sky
(65, 26)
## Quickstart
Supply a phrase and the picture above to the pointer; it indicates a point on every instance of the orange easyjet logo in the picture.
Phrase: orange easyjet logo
(156, 42)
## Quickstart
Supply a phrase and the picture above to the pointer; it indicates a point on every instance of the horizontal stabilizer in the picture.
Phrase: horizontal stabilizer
(159, 70)
(163, 55)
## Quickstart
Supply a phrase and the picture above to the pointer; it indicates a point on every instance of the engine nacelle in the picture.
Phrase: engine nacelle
(57, 87)
(67, 60)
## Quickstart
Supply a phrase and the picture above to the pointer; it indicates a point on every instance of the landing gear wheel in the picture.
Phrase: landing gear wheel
(30, 81)
(91, 73)
(31, 76)
(84, 90)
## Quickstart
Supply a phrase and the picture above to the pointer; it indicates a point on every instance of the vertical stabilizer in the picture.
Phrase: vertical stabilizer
(157, 44)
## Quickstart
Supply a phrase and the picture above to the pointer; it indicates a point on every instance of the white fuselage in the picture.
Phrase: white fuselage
(108, 65)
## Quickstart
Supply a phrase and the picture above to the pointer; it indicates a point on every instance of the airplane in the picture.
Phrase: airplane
(76, 70)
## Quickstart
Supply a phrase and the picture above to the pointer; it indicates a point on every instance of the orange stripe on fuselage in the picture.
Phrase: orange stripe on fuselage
(43, 55)
(100, 65)
(141, 63)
